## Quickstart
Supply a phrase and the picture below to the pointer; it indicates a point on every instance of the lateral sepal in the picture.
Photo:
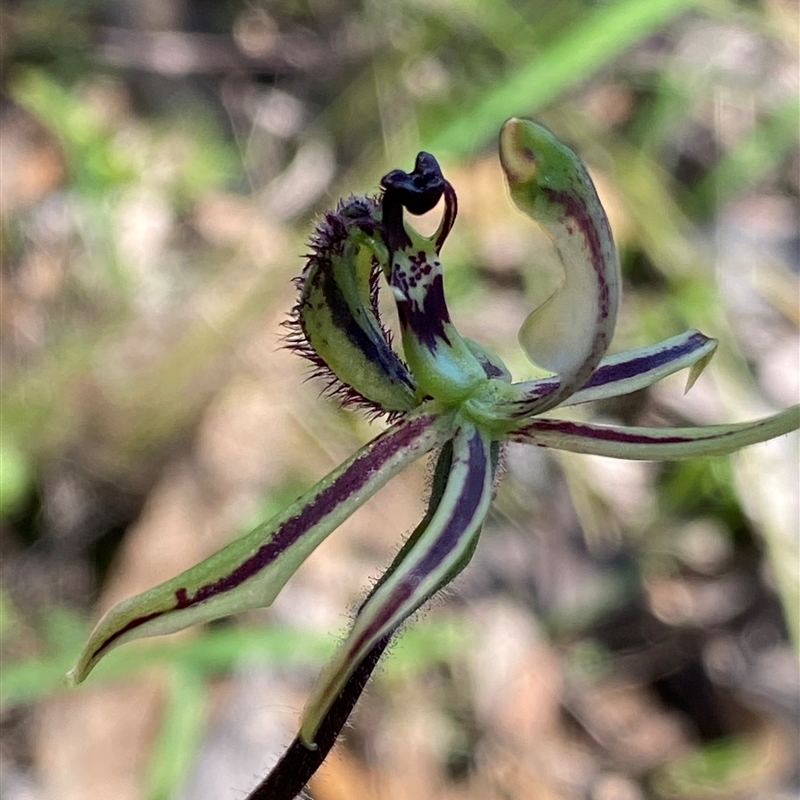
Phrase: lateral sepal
(428, 564)
(654, 444)
(251, 570)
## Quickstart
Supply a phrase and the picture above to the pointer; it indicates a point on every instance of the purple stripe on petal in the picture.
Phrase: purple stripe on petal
(635, 366)
(460, 522)
(347, 484)
(134, 623)
(599, 432)
(575, 211)
(353, 479)
(593, 229)
(622, 369)
(537, 390)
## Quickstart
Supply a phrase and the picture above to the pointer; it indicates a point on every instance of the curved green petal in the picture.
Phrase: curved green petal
(429, 563)
(623, 373)
(637, 369)
(655, 444)
(570, 332)
(251, 570)
(288, 777)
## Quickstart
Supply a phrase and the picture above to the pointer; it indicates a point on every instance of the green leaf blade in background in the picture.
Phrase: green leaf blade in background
(583, 49)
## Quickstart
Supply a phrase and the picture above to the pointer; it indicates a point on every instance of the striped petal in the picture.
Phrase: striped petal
(295, 768)
(637, 369)
(655, 444)
(570, 332)
(622, 373)
(423, 567)
(251, 570)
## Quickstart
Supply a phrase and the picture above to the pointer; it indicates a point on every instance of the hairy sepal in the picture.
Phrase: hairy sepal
(251, 570)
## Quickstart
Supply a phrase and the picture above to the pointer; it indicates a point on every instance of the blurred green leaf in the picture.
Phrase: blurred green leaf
(215, 650)
(701, 487)
(599, 37)
(714, 770)
(97, 163)
(763, 149)
(9, 618)
(427, 642)
(16, 477)
(181, 733)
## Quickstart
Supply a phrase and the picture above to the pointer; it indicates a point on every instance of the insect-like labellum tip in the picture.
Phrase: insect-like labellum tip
(417, 192)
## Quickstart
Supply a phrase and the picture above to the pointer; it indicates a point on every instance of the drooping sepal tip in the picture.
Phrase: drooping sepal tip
(250, 571)
(697, 368)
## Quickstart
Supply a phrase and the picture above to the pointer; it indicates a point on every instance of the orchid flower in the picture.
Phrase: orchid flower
(446, 393)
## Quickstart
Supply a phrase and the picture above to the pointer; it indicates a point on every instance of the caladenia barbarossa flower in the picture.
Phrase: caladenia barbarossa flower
(447, 394)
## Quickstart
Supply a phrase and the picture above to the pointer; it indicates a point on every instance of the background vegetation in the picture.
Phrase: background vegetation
(625, 629)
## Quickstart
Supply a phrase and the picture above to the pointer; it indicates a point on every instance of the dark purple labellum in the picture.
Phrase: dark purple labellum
(420, 190)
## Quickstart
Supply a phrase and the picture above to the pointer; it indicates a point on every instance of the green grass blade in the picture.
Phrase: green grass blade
(181, 732)
(598, 38)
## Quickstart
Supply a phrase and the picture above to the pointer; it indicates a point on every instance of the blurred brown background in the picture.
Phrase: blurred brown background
(625, 631)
